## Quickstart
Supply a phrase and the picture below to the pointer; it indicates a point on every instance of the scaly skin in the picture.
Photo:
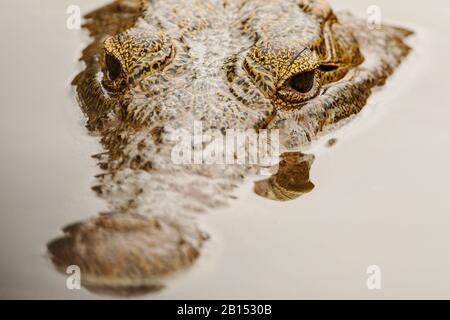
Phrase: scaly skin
(155, 67)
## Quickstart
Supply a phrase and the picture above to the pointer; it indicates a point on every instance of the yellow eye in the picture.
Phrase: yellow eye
(113, 67)
(299, 88)
(303, 82)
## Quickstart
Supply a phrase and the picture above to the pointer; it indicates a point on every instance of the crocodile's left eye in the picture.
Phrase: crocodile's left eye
(303, 82)
(300, 87)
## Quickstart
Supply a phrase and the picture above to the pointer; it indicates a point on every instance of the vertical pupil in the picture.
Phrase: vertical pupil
(302, 82)
(113, 67)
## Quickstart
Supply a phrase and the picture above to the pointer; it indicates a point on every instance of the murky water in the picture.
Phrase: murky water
(380, 196)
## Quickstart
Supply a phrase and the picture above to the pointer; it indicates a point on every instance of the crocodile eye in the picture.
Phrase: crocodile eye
(302, 82)
(300, 87)
(113, 67)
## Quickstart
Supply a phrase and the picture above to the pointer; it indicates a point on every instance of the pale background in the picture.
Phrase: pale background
(382, 193)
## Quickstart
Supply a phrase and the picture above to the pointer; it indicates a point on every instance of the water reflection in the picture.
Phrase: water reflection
(123, 254)
(127, 254)
(291, 179)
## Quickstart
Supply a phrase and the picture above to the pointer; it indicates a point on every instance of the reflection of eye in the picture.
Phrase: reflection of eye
(302, 82)
(113, 67)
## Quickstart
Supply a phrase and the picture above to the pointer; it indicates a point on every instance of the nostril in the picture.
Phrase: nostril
(113, 67)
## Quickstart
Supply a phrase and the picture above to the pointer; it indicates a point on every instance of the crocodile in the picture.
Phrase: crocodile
(156, 67)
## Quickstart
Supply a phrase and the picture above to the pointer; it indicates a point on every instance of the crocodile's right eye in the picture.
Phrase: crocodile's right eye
(134, 54)
(113, 67)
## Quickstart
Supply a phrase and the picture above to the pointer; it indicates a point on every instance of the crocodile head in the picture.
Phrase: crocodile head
(292, 65)
(158, 66)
